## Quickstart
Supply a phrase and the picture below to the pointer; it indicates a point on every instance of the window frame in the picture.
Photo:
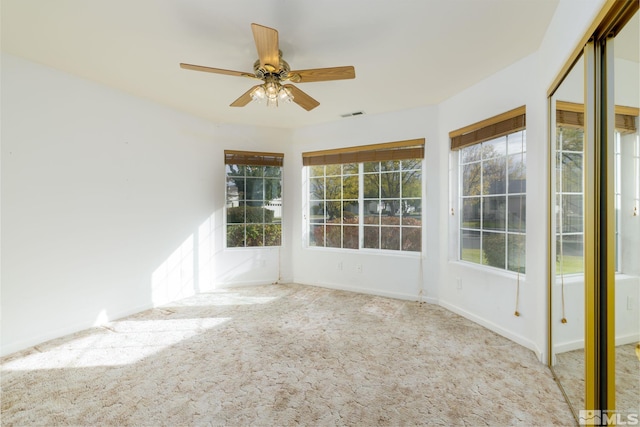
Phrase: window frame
(490, 130)
(265, 161)
(359, 156)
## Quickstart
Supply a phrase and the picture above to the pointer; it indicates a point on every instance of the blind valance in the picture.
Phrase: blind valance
(399, 150)
(572, 114)
(232, 157)
(494, 127)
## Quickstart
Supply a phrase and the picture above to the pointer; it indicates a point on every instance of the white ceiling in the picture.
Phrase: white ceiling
(406, 53)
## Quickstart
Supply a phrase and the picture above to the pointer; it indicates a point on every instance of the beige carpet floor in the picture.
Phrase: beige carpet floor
(282, 355)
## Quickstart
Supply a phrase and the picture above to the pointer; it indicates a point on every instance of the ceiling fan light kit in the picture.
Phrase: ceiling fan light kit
(273, 90)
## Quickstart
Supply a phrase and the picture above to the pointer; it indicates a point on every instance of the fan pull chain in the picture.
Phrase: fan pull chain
(564, 319)
(516, 312)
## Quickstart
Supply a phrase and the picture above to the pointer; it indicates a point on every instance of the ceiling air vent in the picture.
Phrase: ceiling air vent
(356, 113)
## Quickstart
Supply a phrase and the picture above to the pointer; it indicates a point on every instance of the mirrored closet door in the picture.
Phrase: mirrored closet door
(594, 280)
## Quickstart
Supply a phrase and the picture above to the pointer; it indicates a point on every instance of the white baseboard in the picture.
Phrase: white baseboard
(578, 344)
(396, 295)
(518, 339)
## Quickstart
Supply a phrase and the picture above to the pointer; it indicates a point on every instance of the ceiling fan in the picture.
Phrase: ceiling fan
(275, 73)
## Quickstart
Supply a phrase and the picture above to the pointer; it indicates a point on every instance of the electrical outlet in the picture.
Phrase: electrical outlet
(340, 266)
(629, 303)
(459, 283)
(359, 268)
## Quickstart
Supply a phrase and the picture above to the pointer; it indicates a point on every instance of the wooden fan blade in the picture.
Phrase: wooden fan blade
(267, 45)
(216, 70)
(302, 99)
(322, 74)
(244, 99)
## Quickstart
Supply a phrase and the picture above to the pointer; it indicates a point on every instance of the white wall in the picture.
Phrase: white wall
(110, 204)
(407, 276)
(485, 295)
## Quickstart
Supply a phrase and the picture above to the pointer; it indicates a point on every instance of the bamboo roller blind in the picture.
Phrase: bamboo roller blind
(399, 150)
(252, 158)
(494, 127)
(572, 114)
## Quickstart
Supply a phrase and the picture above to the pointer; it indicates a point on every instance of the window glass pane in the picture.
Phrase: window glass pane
(372, 166)
(412, 212)
(518, 173)
(334, 212)
(334, 236)
(516, 252)
(272, 235)
(516, 142)
(390, 165)
(273, 171)
(350, 212)
(257, 214)
(471, 212)
(316, 235)
(316, 170)
(470, 248)
(390, 211)
(350, 169)
(411, 239)
(316, 188)
(411, 164)
(494, 176)
(234, 170)
(471, 154)
(493, 213)
(235, 236)
(235, 214)
(255, 235)
(572, 213)
(569, 254)
(571, 178)
(272, 189)
(254, 189)
(372, 186)
(494, 148)
(372, 237)
(371, 214)
(316, 212)
(351, 237)
(390, 238)
(333, 170)
(412, 184)
(390, 184)
(350, 187)
(571, 139)
(333, 187)
(254, 171)
(517, 213)
(493, 246)
(471, 179)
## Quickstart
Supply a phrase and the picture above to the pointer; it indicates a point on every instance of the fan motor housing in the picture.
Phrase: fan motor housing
(281, 72)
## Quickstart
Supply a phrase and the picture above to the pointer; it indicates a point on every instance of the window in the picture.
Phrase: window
(570, 180)
(367, 197)
(492, 193)
(254, 198)
(569, 199)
